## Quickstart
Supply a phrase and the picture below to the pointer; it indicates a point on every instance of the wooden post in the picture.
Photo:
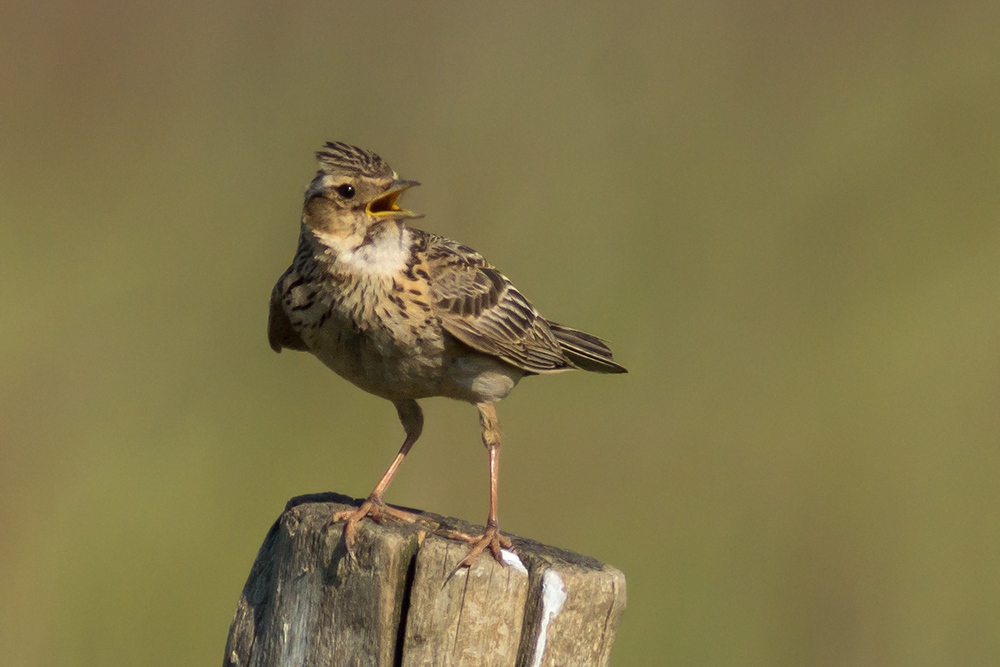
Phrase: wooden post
(402, 603)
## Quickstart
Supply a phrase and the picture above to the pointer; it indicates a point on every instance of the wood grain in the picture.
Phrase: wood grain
(401, 602)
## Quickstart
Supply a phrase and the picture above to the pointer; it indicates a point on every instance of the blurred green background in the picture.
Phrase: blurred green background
(783, 214)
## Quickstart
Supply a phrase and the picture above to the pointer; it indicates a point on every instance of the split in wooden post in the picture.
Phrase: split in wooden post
(306, 602)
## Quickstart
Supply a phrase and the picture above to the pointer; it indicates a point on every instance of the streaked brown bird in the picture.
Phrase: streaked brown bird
(405, 314)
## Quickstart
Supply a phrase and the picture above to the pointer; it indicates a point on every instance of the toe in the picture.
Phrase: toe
(491, 539)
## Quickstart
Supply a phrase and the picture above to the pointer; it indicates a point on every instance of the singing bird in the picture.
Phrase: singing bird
(405, 314)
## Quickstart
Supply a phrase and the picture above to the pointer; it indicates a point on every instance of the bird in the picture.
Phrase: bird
(405, 314)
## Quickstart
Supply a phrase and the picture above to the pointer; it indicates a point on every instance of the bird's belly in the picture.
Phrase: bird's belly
(388, 378)
(380, 361)
(478, 378)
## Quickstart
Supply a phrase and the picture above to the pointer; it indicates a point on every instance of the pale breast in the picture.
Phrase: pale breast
(370, 334)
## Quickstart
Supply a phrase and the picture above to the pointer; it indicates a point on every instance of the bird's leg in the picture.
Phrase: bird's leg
(491, 537)
(374, 506)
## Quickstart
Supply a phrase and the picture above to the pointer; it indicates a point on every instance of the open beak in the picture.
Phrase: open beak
(385, 206)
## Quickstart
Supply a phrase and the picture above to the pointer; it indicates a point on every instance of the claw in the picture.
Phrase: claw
(491, 538)
(377, 510)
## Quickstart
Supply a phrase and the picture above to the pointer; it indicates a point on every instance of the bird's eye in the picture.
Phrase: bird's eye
(346, 191)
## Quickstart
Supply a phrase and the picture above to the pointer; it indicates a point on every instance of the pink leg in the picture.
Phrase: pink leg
(413, 421)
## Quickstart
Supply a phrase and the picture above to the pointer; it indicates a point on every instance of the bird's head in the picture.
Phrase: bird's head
(353, 191)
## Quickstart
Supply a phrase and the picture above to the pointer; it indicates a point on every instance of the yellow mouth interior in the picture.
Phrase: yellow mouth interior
(385, 204)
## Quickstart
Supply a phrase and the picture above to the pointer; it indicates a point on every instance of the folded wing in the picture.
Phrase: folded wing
(480, 307)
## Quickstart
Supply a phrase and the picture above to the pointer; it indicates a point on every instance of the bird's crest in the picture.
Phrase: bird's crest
(338, 157)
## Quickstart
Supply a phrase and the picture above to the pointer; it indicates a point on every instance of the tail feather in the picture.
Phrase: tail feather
(587, 352)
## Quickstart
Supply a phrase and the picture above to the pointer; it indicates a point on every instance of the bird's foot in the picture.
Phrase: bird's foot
(491, 538)
(375, 508)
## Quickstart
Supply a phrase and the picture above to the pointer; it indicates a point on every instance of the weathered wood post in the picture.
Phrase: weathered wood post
(307, 603)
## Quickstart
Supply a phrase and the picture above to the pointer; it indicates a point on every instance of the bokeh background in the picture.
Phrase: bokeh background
(784, 215)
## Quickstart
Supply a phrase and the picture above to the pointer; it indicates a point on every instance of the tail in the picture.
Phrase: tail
(586, 352)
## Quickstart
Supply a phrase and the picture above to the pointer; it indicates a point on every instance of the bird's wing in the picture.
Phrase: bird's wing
(481, 307)
(280, 332)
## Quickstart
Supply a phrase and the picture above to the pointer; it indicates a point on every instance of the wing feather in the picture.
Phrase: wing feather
(481, 307)
(280, 332)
